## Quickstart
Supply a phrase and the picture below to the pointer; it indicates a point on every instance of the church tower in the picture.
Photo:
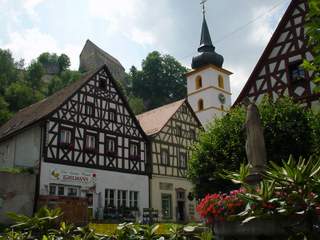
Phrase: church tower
(208, 84)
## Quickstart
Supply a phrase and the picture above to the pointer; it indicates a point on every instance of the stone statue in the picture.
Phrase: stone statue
(255, 145)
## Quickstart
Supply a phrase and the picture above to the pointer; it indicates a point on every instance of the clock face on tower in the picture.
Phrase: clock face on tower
(222, 98)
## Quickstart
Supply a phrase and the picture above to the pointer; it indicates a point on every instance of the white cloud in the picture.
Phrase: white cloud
(30, 43)
(238, 79)
(124, 17)
(262, 28)
(30, 5)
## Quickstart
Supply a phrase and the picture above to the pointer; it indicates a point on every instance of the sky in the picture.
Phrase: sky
(130, 29)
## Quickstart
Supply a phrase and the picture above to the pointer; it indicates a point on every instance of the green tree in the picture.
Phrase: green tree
(289, 129)
(64, 79)
(35, 71)
(4, 111)
(64, 62)
(136, 104)
(312, 30)
(160, 81)
(20, 95)
(8, 71)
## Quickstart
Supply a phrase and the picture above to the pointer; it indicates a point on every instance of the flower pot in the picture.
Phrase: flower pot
(254, 229)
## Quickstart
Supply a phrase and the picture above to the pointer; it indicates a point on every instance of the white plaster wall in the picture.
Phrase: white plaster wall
(22, 150)
(104, 180)
(177, 183)
(209, 78)
(209, 93)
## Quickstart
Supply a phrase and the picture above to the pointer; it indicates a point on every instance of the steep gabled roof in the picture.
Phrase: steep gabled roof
(42, 109)
(101, 51)
(264, 57)
(154, 120)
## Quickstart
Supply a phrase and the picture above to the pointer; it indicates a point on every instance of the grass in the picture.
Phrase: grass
(110, 228)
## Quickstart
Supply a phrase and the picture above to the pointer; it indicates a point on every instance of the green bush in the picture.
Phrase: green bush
(289, 129)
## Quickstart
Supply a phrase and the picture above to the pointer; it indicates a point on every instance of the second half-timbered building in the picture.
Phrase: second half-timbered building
(279, 71)
(172, 129)
(85, 142)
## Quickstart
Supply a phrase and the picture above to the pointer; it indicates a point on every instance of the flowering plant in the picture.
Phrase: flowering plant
(221, 206)
(288, 190)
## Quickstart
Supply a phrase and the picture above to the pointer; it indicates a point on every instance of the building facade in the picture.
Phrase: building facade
(278, 71)
(86, 143)
(172, 129)
(208, 84)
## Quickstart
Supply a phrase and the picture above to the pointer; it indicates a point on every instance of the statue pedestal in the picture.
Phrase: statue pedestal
(254, 178)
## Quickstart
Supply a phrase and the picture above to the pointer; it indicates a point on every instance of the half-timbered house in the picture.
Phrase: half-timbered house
(278, 71)
(171, 128)
(86, 142)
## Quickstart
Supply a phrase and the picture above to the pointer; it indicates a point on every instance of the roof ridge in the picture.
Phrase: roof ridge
(161, 107)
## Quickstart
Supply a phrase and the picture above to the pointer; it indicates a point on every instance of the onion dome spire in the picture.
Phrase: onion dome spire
(207, 54)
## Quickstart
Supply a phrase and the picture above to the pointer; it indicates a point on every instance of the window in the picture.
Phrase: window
(102, 84)
(192, 134)
(133, 199)
(90, 143)
(61, 190)
(198, 82)
(220, 81)
(183, 160)
(178, 131)
(112, 115)
(65, 136)
(122, 198)
(296, 72)
(181, 195)
(90, 109)
(164, 157)
(133, 150)
(200, 105)
(111, 145)
(109, 197)
(72, 191)
(52, 189)
(166, 206)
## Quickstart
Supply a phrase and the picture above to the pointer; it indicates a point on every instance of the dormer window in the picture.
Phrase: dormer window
(192, 134)
(134, 150)
(111, 145)
(296, 72)
(102, 84)
(90, 109)
(112, 115)
(65, 136)
(178, 131)
(164, 157)
(183, 160)
(198, 82)
(90, 142)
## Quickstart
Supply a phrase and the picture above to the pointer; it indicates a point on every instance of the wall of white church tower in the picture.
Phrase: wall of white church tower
(211, 86)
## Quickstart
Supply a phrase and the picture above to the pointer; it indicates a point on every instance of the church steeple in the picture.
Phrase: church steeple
(207, 54)
(205, 41)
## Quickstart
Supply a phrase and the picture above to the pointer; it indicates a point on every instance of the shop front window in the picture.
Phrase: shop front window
(61, 190)
(52, 189)
(166, 205)
(72, 192)
(122, 198)
(133, 199)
